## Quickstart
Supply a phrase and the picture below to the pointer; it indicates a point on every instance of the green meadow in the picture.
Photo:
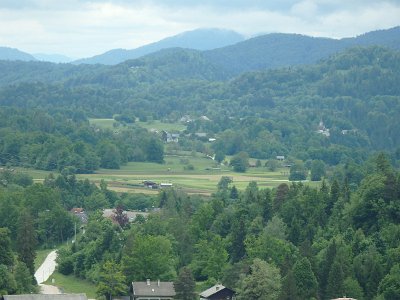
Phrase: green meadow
(202, 179)
(150, 125)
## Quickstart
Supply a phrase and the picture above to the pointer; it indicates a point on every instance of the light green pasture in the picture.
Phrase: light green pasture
(150, 125)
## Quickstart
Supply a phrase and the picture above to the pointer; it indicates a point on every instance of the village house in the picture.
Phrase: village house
(218, 292)
(169, 137)
(150, 184)
(323, 130)
(109, 213)
(80, 213)
(153, 290)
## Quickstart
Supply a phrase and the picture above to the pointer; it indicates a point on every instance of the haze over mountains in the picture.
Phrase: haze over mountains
(230, 51)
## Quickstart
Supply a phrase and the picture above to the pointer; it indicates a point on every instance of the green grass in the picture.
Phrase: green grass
(156, 124)
(71, 284)
(37, 175)
(102, 123)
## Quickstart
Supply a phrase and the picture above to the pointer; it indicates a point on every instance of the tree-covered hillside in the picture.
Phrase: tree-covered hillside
(276, 50)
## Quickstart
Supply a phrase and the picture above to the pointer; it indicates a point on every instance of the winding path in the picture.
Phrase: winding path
(44, 272)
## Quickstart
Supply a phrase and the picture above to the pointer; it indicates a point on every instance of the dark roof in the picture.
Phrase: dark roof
(155, 288)
(214, 290)
(46, 297)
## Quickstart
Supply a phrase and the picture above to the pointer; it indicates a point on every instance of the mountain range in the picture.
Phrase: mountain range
(230, 51)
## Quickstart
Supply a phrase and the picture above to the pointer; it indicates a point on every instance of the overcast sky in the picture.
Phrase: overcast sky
(83, 28)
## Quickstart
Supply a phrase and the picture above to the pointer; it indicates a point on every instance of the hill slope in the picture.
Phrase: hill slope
(14, 54)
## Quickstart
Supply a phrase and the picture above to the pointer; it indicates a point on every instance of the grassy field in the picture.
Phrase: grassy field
(71, 284)
(203, 179)
(102, 123)
(150, 125)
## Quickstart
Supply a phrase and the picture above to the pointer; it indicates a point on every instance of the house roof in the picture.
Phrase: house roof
(158, 288)
(46, 297)
(109, 213)
(213, 290)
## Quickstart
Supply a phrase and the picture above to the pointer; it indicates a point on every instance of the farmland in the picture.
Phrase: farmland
(203, 179)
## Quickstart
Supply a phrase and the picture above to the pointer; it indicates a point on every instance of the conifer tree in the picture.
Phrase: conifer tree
(26, 240)
(185, 285)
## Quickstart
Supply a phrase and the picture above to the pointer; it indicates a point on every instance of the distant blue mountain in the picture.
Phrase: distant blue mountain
(199, 39)
(55, 58)
(14, 54)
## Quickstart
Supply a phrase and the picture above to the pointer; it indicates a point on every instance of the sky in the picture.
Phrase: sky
(83, 28)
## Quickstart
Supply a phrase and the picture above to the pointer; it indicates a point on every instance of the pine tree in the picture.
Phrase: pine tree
(335, 287)
(26, 240)
(23, 279)
(306, 283)
(6, 253)
(185, 285)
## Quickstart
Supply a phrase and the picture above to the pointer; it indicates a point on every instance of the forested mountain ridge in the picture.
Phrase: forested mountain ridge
(199, 39)
(282, 50)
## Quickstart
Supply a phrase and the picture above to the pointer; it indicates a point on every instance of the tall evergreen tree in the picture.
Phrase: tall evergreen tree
(185, 285)
(26, 240)
(6, 253)
(306, 283)
(335, 287)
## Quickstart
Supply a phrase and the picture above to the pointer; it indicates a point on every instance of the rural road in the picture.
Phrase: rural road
(44, 272)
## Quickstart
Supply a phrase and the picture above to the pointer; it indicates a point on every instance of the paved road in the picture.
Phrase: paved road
(44, 272)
